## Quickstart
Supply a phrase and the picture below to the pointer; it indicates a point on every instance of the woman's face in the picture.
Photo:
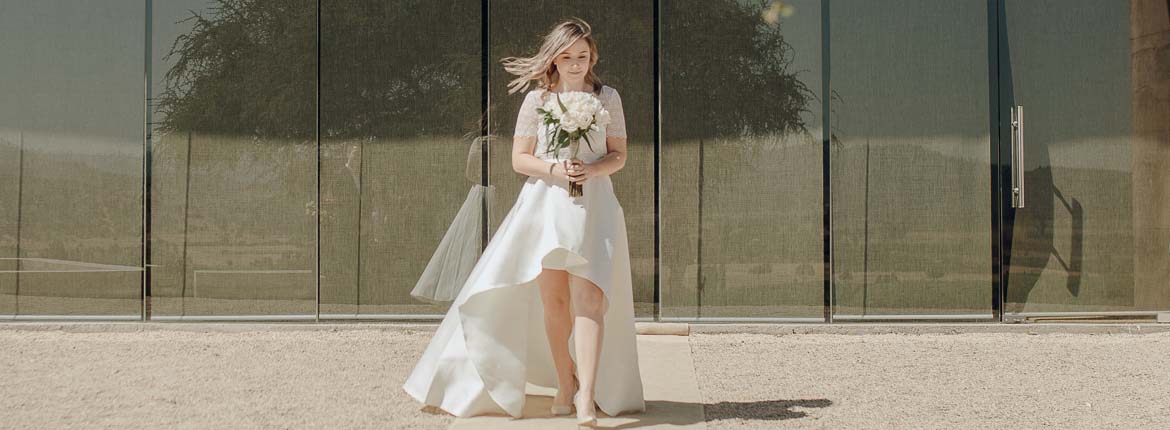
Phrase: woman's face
(573, 62)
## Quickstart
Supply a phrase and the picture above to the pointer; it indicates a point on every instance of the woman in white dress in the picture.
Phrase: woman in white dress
(556, 272)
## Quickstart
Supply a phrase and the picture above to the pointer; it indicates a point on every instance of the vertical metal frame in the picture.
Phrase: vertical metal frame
(147, 103)
(998, 269)
(657, 18)
(484, 115)
(317, 136)
(830, 304)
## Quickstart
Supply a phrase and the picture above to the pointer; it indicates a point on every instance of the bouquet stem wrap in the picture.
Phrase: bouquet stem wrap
(575, 188)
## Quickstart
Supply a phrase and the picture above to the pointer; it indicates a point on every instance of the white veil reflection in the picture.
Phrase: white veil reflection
(459, 249)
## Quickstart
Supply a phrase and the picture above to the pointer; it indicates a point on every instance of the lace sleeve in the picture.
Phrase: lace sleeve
(617, 124)
(528, 121)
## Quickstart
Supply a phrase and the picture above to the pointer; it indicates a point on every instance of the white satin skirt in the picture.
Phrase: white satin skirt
(492, 341)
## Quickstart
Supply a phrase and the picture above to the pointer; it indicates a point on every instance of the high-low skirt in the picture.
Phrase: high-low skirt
(492, 341)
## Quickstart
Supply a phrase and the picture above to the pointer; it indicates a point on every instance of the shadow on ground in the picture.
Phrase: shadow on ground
(762, 410)
(658, 412)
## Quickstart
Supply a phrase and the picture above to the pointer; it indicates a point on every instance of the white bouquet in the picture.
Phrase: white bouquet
(570, 116)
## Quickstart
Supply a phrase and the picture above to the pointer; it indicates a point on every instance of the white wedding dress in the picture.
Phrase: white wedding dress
(492, 343)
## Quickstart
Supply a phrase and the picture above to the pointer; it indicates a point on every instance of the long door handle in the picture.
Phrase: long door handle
(1017, 156)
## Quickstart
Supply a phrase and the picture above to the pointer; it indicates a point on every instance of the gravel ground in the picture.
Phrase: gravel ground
(984, 380)
(351, 379)
(206, 380)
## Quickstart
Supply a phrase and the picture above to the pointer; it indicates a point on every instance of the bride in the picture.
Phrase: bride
(556, 272)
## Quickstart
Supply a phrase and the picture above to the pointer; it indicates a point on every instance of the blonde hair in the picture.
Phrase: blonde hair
(540, 67)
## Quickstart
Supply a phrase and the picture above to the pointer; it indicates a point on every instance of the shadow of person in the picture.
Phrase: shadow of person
(658, 413)
(1031, 240)
(774, 410)
(676, 413)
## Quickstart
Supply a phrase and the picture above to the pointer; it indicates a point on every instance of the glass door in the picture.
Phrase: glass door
(1089, 230)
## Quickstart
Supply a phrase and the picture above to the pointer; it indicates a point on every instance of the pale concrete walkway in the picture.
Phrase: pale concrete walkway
(669, 384)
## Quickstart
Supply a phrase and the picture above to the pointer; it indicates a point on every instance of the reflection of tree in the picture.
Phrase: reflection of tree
(249, 67)
(733, 68)
(732, 73)
(399, 68)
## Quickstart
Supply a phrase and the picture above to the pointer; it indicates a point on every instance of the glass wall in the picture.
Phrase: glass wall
(71, 230)
(911, 159)
(741, 160)
(400, 151)
(234, 159)
(307, 159)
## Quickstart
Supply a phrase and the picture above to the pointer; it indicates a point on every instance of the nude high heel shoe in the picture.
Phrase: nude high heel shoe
(567, 409)
(583, 419)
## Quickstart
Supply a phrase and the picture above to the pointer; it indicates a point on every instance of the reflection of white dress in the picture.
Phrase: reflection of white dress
(492, 341)
(456, 255)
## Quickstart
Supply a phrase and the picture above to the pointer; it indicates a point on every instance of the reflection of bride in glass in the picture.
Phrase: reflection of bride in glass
(458, 251)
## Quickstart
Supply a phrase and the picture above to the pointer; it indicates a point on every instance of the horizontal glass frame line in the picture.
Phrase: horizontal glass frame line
(743, 319)
(1081, 314)
(71, 317)
(988, 316)
(309, 317)
(422, 317)
(427, 317)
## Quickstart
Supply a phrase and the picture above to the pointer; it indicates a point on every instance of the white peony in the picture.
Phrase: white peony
(580, 111)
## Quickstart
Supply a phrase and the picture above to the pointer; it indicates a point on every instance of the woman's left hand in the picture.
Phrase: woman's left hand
(580, 171)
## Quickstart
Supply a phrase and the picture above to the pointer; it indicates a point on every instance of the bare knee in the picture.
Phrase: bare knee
(556, 307)
(554, 292)
(587, 298)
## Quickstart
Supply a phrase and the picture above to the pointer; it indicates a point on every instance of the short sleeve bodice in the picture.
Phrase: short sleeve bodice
(528, 120)
(613, 103)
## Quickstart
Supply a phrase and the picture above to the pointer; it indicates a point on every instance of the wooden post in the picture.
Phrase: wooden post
(1150, 73)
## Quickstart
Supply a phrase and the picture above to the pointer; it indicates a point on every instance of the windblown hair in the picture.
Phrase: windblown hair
(540, 67)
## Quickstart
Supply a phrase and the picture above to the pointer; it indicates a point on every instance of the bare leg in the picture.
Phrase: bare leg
(558, 324)
(588, 303)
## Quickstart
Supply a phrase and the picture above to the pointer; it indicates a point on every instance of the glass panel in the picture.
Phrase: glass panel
(624, 34)
(400, 108)
(911, 174)
(234, 190)
(1094, 233)
(741, 160)
(71, 123)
